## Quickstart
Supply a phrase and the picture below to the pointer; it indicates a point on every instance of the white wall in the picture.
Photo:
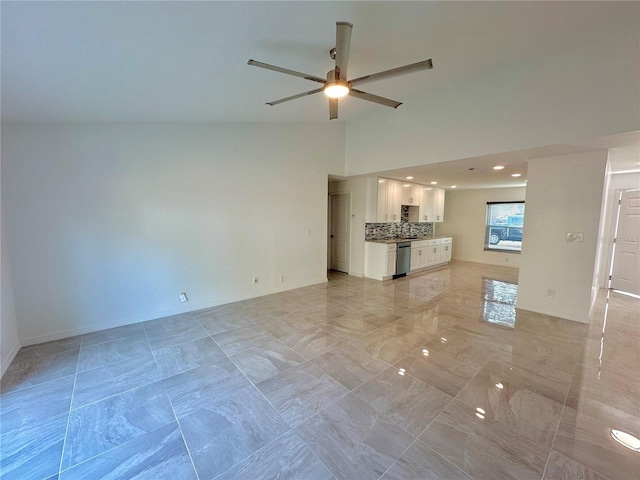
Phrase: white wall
(464, 219)
(590, 89)
(9, 344)
(364, 191)
(564, 194)
(108, 223)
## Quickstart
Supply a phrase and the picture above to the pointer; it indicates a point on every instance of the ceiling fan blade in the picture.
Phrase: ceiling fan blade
(306, 76)
(374, 98)
(293, 97)
(394, 72)
(343, 44)
(333, 108)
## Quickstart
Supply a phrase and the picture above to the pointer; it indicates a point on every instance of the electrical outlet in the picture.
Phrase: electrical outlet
(281, 278)
(255, 280)
(551, 293)
(183, 297)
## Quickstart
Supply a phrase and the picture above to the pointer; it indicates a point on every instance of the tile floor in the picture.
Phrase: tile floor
(432, 376)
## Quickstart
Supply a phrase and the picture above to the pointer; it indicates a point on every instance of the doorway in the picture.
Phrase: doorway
(339, 231)
(625, 265)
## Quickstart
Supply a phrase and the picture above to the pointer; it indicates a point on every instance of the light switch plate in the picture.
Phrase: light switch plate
(575, 237)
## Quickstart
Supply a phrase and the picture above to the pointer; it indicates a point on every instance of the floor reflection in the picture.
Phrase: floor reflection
(499, 302)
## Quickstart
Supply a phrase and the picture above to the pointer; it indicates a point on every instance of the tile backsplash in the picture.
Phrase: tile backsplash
(381, 231)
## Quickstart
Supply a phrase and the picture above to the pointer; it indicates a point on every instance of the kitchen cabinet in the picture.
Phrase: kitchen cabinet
(419, 254)
(438, 205)
(379, 260)
(430, 253)
(410, 194)
(390, 263)
(433, 256)
(389, 192)
(431, 204)
(446, 249)
(392, 194)
(426, 204)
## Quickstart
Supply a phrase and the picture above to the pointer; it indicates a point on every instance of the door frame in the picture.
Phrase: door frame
(617, 205)
(330, 229)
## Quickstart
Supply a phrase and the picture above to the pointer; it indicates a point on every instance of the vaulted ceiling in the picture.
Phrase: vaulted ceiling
(187, 61)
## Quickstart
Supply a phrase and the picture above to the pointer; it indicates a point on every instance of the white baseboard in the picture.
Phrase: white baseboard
(8, 358)
(210, 303)
(553, 313)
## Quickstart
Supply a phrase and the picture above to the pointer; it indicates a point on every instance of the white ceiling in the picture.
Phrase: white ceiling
(478, 172)
(187, 61)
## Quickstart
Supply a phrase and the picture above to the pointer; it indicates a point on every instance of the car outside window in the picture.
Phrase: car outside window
(504, 224)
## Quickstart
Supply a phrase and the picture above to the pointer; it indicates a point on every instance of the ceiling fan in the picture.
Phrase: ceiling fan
(336, 85)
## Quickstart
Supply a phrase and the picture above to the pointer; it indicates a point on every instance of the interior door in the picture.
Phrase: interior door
(340, 232)
(625, 274)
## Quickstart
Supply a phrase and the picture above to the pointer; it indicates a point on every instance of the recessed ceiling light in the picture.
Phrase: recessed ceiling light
(516, 174)
(425, 352)
(409, 178)
(499, 385)
(434, 183)
(480, 416)
(626, 439)
(498, 167)
(401, 371)
(454, 186)
(406, 185)
(480, 410)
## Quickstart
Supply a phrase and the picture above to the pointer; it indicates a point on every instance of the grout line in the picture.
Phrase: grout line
(396, 460)
(73, 391)
(113, 448)
(186, 446)
(564, 406)
(184, 440)
(254, 453)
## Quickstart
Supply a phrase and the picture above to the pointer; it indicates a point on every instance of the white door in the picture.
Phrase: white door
(340, 232)
(625, 274)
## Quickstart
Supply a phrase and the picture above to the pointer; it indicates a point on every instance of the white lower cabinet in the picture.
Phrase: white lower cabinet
(429, 253)
(390, 264)
(419, 251)
(379, 260)
(446, 249)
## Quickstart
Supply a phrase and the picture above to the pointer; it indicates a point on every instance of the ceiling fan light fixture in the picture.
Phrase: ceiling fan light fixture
(336, 89)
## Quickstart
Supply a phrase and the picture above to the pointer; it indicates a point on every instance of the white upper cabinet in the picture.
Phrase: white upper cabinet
(410, 194)
(392, 194)
(426, 204)
(389, 192)
(438, 204)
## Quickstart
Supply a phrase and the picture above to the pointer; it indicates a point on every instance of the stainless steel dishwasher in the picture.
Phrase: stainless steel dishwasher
(403, 259)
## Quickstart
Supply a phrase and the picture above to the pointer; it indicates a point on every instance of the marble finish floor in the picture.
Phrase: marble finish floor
(434, 376)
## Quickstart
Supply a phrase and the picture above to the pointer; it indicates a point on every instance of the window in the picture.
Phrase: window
(504, 226)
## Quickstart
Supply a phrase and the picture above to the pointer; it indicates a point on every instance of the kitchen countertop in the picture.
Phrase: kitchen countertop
(397, 239)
